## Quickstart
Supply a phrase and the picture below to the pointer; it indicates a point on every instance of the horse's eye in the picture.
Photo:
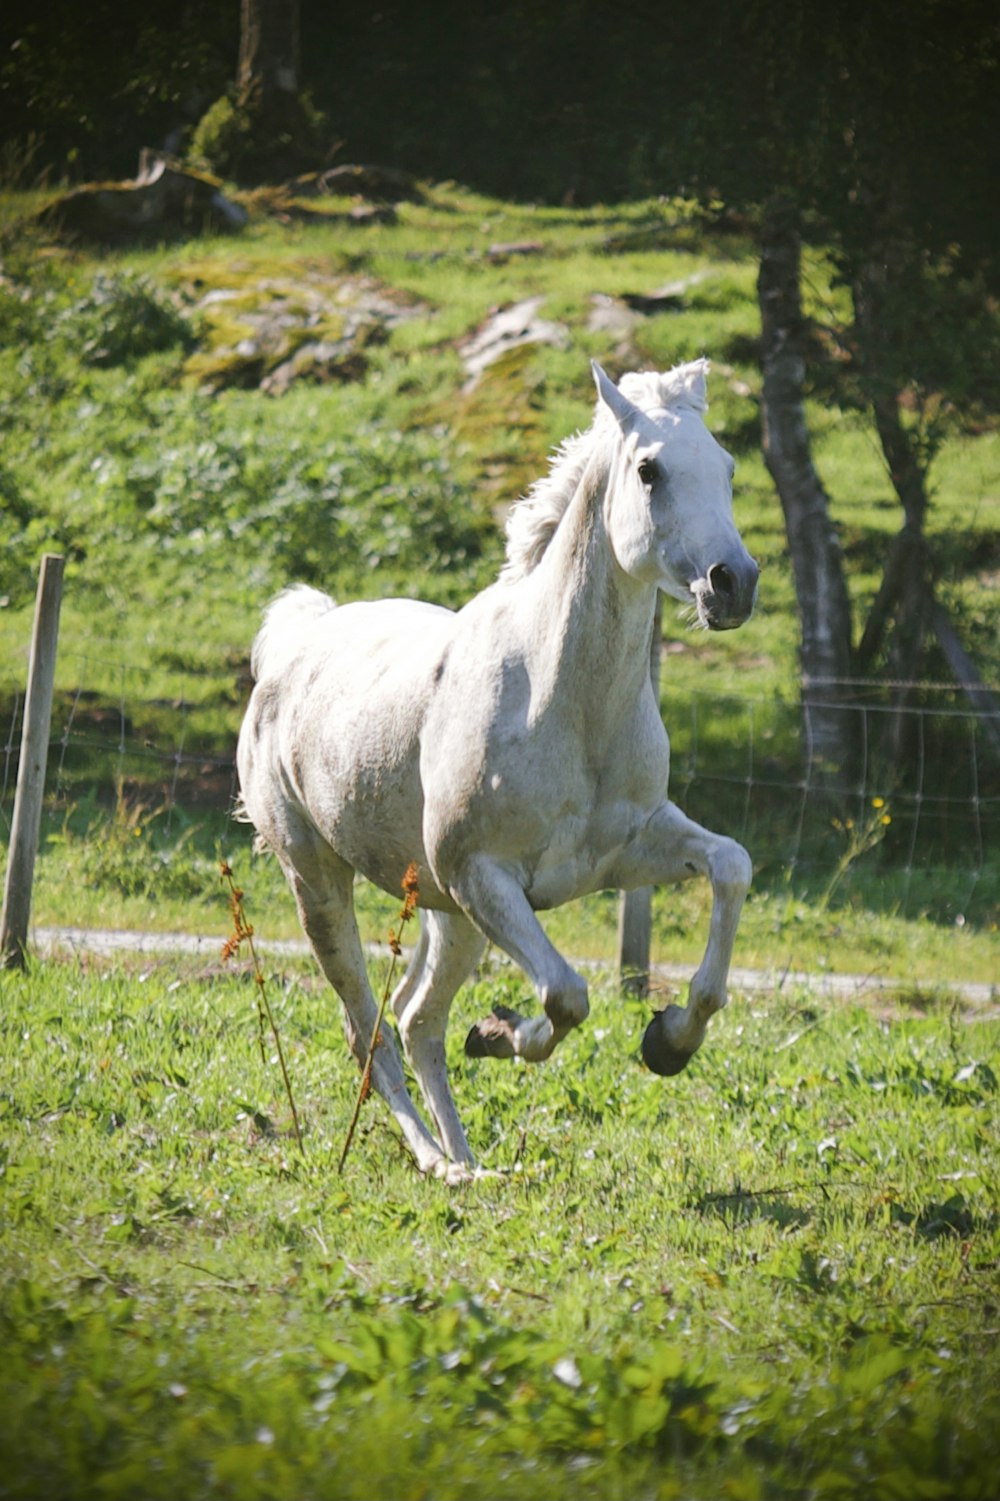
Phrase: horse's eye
(647, 472)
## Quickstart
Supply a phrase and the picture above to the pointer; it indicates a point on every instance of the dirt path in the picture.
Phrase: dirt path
(109, 941)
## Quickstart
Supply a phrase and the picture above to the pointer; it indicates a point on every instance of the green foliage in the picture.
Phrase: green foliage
(134, 851)
(221, 138)
(773, 1277)
(123, 316)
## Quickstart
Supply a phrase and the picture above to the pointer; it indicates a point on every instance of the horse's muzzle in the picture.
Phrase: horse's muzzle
(726, 596)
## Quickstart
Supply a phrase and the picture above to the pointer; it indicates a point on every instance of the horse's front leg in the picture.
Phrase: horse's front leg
(491, 895)
(672, 847)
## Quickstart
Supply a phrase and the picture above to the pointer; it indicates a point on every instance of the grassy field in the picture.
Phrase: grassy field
(126, 871)
(141, 439)
(774, 1277)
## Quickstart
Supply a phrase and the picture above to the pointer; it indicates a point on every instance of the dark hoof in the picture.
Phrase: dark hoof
(659, 1055)
(493, 1037)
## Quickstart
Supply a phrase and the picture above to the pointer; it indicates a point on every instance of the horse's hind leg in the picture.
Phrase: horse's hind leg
(324, 895)
(448, 950)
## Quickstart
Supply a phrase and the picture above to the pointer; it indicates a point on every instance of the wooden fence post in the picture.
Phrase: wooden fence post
(31, 768)
(635, 908)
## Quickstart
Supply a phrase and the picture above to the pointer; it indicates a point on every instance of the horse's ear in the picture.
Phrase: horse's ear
(619, 405)
(697, 383)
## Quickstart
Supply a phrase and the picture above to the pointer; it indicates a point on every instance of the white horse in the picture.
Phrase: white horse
(513, 750)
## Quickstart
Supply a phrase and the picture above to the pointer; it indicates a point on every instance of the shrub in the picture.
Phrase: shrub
(220, 138)
(123, 317)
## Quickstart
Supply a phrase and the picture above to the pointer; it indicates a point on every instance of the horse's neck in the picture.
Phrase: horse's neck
(590, 623)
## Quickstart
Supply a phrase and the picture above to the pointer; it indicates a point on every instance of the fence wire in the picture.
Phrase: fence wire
(744, 766)
(740, 764)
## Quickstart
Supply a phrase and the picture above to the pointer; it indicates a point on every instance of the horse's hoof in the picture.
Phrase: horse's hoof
(493, 1037)
(658, 1052)
(454, 1174)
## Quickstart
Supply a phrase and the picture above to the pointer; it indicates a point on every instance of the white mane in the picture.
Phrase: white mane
(533, 519)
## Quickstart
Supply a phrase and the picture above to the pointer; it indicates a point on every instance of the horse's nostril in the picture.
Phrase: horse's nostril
(721, 581)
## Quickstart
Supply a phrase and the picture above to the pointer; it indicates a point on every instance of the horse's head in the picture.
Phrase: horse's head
(669, 504)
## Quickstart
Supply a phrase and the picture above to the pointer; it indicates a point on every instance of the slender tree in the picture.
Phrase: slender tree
(817, 560)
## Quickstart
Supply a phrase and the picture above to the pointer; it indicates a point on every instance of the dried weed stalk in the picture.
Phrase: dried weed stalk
(411, 895)
(243, 933)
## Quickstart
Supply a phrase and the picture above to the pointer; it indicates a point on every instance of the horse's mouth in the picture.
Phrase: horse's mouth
(711, 615)
(725, 598)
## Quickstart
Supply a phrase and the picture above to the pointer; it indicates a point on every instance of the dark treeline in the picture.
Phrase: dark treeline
(524, 100)
(587, 100)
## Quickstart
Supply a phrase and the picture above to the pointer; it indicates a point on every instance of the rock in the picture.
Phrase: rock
(320, 361)
(287, 209)
(505, 329)
(502, 252)
(383, 184)
(309, 326)
(667, 299)
(163, 202)
(610, 316)
(618, 316)
(370, 213)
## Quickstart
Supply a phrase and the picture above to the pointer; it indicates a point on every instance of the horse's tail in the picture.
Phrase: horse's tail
(288, 621)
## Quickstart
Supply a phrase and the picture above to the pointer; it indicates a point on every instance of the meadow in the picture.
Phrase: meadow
(774, 1276)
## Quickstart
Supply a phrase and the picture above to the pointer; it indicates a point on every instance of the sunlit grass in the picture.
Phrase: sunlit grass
(146, 868)
(775, 1276)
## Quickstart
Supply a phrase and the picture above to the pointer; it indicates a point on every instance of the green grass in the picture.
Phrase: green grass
(147, 867)
(775, 1276)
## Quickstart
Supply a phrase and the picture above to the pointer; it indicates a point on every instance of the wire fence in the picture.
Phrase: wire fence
(740, 764)
(107, 733)
(947, 789)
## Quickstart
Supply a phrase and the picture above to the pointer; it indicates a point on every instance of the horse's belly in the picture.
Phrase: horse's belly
(580, 853)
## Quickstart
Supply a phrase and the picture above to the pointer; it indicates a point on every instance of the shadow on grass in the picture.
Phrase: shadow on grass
(738, 1208)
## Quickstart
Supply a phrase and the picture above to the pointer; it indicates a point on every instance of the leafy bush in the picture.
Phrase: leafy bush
(256, 144)
(388, 500)
(127, 852)
(219, 491)
(220, 137)
(123, 317)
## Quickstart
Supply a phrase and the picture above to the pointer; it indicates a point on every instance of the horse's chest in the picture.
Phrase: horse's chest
(586, 832)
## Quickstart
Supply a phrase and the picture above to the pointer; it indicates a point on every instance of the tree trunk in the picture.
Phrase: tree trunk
(270, 131)
(907, 592)
(817, 561)
(269, 52)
